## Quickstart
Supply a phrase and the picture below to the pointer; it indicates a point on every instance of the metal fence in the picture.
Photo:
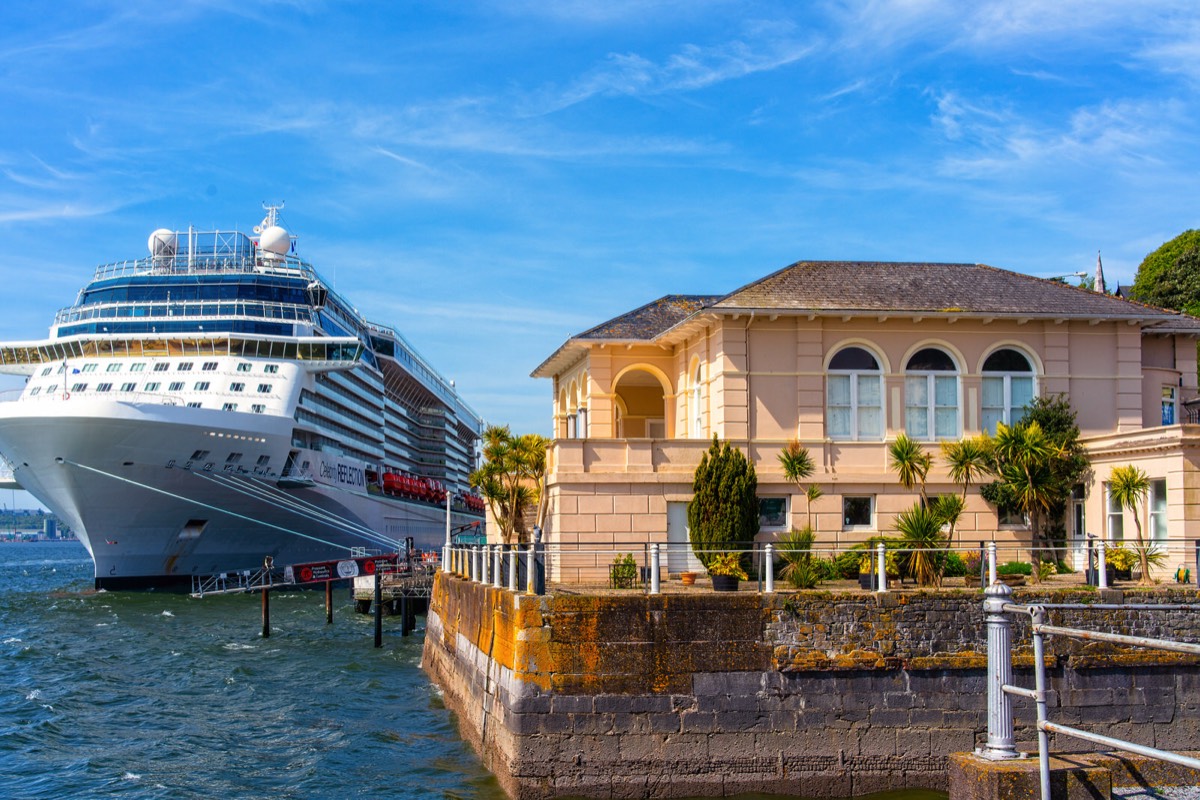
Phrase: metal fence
(1001, 743)
(639, 564)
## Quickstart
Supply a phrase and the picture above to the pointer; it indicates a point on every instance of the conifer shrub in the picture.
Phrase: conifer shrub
(723, 512)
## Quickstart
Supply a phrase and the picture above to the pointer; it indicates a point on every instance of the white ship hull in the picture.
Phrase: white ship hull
(119, 474)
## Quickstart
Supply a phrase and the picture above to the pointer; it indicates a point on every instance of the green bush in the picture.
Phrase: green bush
(955, 567)
(1015, 568)
(723, 512)
(801, 568)
(623, 574)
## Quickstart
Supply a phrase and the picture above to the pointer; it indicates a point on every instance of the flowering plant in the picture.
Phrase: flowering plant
(727, 564)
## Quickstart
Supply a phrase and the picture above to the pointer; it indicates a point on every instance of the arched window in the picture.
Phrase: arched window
(1007, 387)
(854, 395)
(695, 405)
(931, 395)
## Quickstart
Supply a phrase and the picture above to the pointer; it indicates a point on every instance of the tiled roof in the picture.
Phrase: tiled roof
(651, 319)
(922, 287)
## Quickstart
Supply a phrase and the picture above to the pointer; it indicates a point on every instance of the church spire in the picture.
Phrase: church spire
(1099, 284)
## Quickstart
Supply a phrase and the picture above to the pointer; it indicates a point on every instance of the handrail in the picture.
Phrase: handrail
(1000, 738)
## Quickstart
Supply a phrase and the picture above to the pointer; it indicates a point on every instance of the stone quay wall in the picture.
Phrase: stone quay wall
(814, 694)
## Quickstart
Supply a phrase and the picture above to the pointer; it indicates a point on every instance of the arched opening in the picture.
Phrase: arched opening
(641, 407)
(854, 395)
(1008, 387)
(931, 395)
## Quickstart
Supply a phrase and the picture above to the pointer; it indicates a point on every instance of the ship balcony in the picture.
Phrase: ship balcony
(166, 312)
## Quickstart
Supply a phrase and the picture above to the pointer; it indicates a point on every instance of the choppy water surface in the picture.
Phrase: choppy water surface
(157, 695)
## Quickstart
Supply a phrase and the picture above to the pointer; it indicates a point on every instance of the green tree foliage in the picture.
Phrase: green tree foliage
(510, 478)
(1129, 486)
(797, 465)
(910, 463)
(920, 528)
(968, 461)
(723, 512)
(1037, 462)
(1163, 279)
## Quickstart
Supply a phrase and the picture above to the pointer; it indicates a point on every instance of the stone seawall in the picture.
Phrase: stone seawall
(814, 694)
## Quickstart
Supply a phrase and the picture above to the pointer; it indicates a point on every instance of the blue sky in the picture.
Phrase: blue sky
(493, 177)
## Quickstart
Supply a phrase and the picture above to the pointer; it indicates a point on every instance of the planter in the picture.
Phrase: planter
(971, 581)
(1012, 580)
(724, 583)
(1123, 574)
(687, 578)
(866, 581)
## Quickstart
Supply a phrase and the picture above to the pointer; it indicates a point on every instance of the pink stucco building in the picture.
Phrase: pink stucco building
(845, 356)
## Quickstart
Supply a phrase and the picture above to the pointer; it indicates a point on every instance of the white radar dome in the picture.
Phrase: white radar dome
(162, 243)
(275, 240)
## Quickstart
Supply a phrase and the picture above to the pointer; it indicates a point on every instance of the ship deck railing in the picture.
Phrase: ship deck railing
(205, 264)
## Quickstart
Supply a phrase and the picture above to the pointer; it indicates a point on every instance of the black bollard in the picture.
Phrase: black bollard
(328, 602)
(404, 615)
(378, 611)
(266, 597)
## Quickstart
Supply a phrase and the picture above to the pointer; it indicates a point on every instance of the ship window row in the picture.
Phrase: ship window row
(173, 310)
(161, 366)
(152, 387)
(237, 288)
(56, 352)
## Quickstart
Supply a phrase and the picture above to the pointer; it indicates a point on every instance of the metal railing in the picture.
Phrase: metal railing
(881, 566)
(1001, 742)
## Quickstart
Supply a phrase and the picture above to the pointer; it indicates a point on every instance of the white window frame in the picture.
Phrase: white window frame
(854, 376)
(931, 407)
(780, 526)
(1170, 401)
(1158, 515)
(695, 398)
(1008, 411)
(1114, 518)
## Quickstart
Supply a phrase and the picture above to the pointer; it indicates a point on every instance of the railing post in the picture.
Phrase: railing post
(485, 557)
(446, 558)
(991, 563)
(513, 555)
(497, 561)
(655, 585)
(531, 570)
(1038, 618)
(769, 570)
(1197, 572)
(881, 553)
(1101, 565)
(1001, 743)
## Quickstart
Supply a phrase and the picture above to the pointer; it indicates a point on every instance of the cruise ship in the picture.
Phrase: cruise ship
(216, 402)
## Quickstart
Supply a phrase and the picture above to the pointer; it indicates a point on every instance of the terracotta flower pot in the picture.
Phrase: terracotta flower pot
(687, 578)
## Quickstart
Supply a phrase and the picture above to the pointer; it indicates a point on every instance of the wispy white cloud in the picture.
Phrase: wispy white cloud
(764, 46)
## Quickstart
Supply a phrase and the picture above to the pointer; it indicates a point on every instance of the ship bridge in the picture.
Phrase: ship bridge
(314, 353)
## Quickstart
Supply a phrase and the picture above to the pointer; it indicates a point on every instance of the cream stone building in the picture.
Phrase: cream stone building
(846, 356)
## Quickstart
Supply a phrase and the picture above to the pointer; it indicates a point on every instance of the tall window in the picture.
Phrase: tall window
(1116, 516)
(1007, 388)
(854, 395)
(694, 402)
(1158, 510)
(931, 395)
(1168, 405)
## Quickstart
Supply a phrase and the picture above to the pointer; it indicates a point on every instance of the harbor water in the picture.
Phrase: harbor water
(157, 695)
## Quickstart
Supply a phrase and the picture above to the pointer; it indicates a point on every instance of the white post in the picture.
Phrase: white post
(1101, 565)
(655, 585)
(485, 557)
(1000, 741)
(530, 569)
(769, 570)
(882, 564)
(512, 568)
(992, 577)
(446, 547)
(496, 562)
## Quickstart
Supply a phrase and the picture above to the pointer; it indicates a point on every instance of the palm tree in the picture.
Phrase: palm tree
(967, 460)
(797, 465)
(921, 531)
(1025, 458)
(910, 463)
(1129, 486)
(511, 478)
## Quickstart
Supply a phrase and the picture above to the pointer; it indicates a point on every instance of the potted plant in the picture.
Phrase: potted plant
(1121, 559)
(687, 578)
(623, 573)
(726, 570)
(723, 512)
